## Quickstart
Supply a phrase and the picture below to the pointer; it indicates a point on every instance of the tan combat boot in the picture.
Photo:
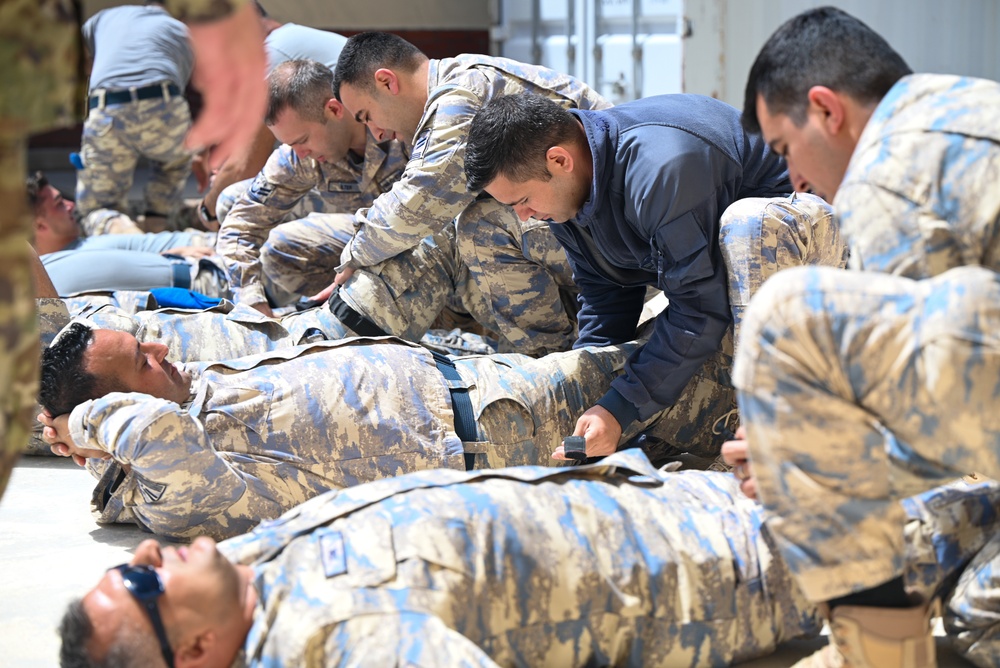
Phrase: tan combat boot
(865, 637)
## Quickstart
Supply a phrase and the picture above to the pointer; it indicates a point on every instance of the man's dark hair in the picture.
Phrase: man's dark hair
(65, 383)
(303, 86)
(35, 184)
(510, 135)
(131, 648)
(367, 52)
(821, 47)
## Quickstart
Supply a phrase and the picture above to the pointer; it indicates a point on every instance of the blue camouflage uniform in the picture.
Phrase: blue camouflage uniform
(297, 215)
(905, 371)
(261, 434)
(919, 195)
(518, 270)
(610, 564)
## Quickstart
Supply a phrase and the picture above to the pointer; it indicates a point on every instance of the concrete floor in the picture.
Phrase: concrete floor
(51, 551)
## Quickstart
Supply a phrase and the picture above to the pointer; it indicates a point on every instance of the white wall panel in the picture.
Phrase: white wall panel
(953, 36)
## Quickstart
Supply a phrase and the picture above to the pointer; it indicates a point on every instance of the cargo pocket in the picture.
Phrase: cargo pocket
(683, 254)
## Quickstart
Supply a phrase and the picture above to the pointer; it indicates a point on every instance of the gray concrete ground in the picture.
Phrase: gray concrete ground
(51, 551)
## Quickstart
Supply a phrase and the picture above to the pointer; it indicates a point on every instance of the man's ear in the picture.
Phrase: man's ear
(829, 105)
(199, 652)
(386, 78)
(334, 107)
(559, 159)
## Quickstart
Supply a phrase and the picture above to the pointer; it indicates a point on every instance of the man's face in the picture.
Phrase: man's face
(326, 141)
(202, 589)
(557, 200)
(57, 213)
(135, 367)
(387, 115)
(815, 161)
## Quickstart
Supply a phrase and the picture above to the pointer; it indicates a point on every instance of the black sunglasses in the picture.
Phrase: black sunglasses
(145, 585)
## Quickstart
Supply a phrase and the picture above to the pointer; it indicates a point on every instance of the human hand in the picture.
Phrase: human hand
(191, 252)
(55, 432)
(343, 276)
(264, 308)
(736, 453)
(601, 430)
(229, 71)
(324, 294)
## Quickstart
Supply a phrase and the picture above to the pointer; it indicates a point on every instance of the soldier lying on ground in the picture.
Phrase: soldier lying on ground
(611, 564)
(212, 448)
(76, 263)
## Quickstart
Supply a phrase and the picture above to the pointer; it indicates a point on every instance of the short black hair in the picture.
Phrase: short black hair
(131, 648)
(367, 52)
(510, 135)
(65, 382)
(825, 46)
(303, 86)
(34, 186)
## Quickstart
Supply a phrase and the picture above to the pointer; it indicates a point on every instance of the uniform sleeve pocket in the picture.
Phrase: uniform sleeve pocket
(683, 253)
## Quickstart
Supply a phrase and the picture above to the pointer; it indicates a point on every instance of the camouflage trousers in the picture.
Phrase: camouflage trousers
(519, 276)
(761, 236)
(301, 256)
(115, 137)
(18, 317)
(525, 406)
(857, 389)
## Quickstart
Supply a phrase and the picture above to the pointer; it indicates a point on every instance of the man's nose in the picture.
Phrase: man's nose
(147, 554)
(301, 151)
(523, 212)
(157, 350)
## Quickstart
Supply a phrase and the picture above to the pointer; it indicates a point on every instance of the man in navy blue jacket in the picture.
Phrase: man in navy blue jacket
(666, 191)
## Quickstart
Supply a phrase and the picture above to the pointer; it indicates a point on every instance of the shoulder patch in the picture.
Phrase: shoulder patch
(260, 190)
(151, 491)
(418, 146)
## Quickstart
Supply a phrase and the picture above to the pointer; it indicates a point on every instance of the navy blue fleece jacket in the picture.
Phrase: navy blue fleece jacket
(665, 169)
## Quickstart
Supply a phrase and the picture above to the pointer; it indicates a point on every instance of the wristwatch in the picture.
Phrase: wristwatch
(206, 215)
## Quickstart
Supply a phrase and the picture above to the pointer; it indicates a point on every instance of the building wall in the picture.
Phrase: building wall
(953, 36)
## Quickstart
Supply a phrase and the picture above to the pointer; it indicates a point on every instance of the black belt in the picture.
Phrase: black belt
(151, 92)
(461, 404)
(359, 324)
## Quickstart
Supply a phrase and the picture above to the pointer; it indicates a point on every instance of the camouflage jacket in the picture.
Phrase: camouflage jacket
(432, 190)
(344, 186)
(261, 434)
(614, 563)
(920, 194)
(42, 76)
(610, 564)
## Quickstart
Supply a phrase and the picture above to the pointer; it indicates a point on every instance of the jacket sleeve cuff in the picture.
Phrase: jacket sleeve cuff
(620, 407)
